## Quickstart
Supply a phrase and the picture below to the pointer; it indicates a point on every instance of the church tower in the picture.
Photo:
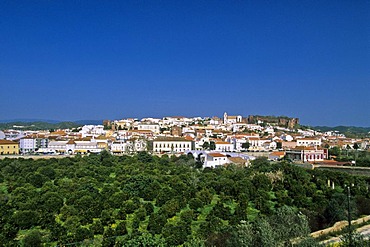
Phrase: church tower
(225, 118)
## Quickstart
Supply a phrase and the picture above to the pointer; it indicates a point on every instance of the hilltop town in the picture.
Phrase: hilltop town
(213, 141)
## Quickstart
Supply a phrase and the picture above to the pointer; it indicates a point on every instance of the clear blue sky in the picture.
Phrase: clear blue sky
(73, 60)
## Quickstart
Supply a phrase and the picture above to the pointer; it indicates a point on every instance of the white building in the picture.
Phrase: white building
(254, 127)
(238, 143)
(214, 159)
(74, 147)
(309, 142)
(31, 144)
(287, 138)
(155, 128)
(92, 130)
(307, 154)
(224, 146)
(215, 121)
(136, 145)
(118, 147)
(270, 145)
(58, 146)
(232, 119)
(27, 145)
(171, 144)
(239, 127)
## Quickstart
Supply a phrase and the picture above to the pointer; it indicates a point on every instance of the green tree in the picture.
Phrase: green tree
(205, 145)
(356, 146)
(145, 240)
(335, 151)
(245, 145)
(83, 233)
(195, 203)
(156, 223)
(261, 164)
(121, 229)
(176, 234)
(212, 145)
(97, 227)
(33, 239)
(109, 237)
(354, 239)
(288, 224)
(242, 235)
(25, 219)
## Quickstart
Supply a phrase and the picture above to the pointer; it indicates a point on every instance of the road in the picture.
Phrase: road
(364, 231)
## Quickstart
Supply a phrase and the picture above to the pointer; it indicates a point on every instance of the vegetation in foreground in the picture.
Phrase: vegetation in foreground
(144, 200)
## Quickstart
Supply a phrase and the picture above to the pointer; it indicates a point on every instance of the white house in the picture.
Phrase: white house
(287, 138)
(258, 144)
(309, 142)
(171, 144)
(270, 130)
(222, 146)
(254, 127)
(58, 146)
(155, 128)
(215, 121)
(92, 130)
(215, 159)
(238, 143)
(239, 127)
(269, 145)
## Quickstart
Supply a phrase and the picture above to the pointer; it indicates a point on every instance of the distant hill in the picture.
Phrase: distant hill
(29, 120)
(34, 124)
(349, 131)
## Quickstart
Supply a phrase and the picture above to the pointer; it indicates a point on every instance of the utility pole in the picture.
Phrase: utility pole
(349, 216)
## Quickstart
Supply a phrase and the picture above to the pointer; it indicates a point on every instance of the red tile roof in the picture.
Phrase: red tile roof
(216, 155)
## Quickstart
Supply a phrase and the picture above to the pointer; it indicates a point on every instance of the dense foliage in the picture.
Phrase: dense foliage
(144, 200)
(361, 158)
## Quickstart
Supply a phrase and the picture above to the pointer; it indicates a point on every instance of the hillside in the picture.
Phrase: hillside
(104, 200)
(349, 131)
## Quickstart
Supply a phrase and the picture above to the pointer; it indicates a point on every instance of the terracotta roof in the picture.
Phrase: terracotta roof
(216, 155)
(169, 139)
(306, 148)
(59, 132)
(278, 153)
(101, 137)
(71, 142)
(221, 142)
(5, 142)
(237, 160)
(189, 138)
(142, 131)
